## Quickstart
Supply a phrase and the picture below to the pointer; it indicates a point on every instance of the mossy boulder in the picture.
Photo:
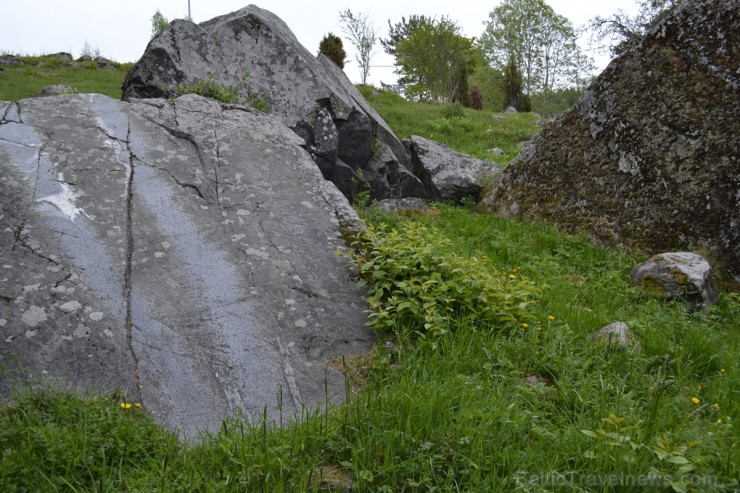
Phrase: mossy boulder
(677, 275)
(648, 155)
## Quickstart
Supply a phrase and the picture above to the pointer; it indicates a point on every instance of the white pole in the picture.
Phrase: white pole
(190, 18)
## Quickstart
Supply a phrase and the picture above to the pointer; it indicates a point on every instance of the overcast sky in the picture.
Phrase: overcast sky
(121, 30)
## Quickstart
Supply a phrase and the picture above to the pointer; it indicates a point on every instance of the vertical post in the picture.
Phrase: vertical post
(190, 17)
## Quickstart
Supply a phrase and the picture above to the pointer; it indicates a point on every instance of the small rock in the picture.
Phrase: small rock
(616, 335)
(677, 275)
(394, 205)
(496, 151)
(9, 60)
(62, 56)
(511, 110)
(57, 90)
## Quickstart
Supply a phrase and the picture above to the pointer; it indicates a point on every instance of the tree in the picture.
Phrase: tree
(361, 33)
(159, 24)
(620, 31)
(435, 59)
(331, 46)
(542, 42)
(512, 86)
(476, 98)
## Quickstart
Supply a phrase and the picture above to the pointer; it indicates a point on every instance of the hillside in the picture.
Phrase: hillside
(484, 376)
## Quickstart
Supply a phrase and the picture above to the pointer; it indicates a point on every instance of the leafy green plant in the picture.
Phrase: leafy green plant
(418, 287)
(210, 88)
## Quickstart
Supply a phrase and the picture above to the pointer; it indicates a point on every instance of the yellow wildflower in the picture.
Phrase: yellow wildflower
(125, 405)
(512, 276)
(525, 325)
(695, 400)
(551, 318)
(715, 405)
(138, 405)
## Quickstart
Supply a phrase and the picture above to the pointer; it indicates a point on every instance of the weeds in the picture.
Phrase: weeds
(210, 88)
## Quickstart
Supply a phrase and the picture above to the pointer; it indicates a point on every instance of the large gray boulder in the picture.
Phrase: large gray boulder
(181, 250)
(649, 154)
(447, 174)
(310, 95)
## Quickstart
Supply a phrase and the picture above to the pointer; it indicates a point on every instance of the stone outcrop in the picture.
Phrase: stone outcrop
(182, 251)
(349, 141)
(677, 276)
(447, 174)
(649, 154)
(57, 90)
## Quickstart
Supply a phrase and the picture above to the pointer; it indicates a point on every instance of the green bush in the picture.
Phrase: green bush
(419, 287)
(226, 94)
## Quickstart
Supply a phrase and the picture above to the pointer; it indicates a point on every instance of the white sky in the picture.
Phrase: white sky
(121, 30)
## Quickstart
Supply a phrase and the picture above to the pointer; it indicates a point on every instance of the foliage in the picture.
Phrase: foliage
(210, 88)
(88, 51)
(436, 60)
(542, 42)
(331, 47)
(476, 98)
(26, 79)
(361, 33)
(489, 81)
(159, 24)
(512, 86)
(620, 32)
(419, 289)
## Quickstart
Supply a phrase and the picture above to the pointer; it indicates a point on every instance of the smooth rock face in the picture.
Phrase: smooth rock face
(181, 251)
(447, 174)
(310, 95)
(649, 155)
(677, 275)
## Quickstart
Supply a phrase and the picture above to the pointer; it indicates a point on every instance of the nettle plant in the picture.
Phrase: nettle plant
(210, 88)
(420, 290)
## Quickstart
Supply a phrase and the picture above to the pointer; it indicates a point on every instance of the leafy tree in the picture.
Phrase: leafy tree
(331, 46)
(620, 31)
(436, 60)
(542, 42)
(159, 24)
(361, 33)
(400, 31)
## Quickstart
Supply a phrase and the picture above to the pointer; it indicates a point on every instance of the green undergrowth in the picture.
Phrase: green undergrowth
(210, 88)
(465, 130)
(25, 80)
(490, 404)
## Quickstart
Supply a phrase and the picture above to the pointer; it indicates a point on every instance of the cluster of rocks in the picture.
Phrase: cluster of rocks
(351, 144)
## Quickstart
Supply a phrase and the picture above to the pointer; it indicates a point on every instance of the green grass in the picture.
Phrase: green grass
(486, 408)
(26, 79)
(472, 132)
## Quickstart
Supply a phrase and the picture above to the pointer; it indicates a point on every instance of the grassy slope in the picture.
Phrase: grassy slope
(459, 417)
(25, 80)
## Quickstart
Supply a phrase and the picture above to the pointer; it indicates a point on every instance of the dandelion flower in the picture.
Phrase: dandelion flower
(715, 405)
(512, 276)
(524, 326)
(722, 371)
(138, 405)
(695, 400)
(125, 405)
(551, 318)
(719, 421)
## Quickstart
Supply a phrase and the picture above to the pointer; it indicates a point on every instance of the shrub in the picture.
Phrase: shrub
(331, 47)
(476, 98)
(226, 94)
(420, 289)
(454, 110)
